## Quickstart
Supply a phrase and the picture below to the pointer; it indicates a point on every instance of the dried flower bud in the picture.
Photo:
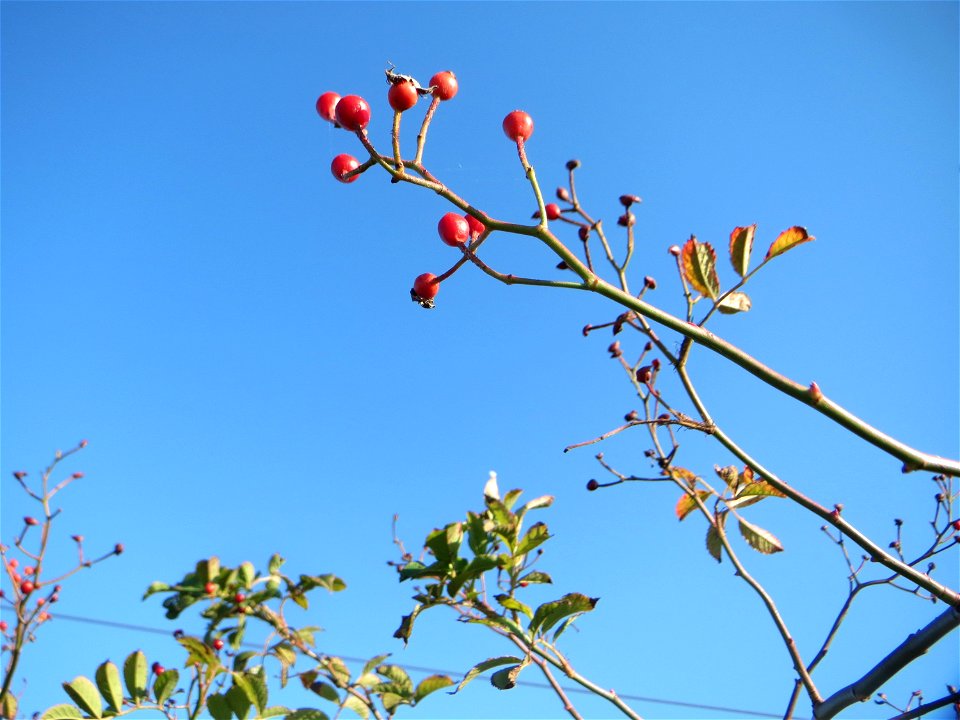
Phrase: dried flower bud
(898, 522)
(118, 549)
(77, 475)
(30, 521)
(584, 233)
(587, 329)
(655, 363)
(573, 164)
(592, 485)
(674, 250)
(614, 349)
(644, 374)
(562, 266)
(19, 474)
(650, 282)
(84, 443)
(562, 194)
(650, 453)
(628, 200)
(664, 418)
(77, 538)
(626, 220)
(632, 416)
(648, 347)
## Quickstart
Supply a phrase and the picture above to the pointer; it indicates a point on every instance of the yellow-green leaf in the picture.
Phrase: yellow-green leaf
(714, 546)
(735, 302)
(57, 712)
(8, 706)
(699, 264)
(686, 504)
(788, 240)
(135, 675)
(759, 539)
(108, 681)
(741, 243)
(84, 693)
(430, 685)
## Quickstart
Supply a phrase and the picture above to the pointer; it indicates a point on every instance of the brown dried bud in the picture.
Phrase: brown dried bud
(19, 474)
(573, 164)
(562, 194)
(838, 508)
(655, 363)
(632, 416)
(664, 418)
(650, 282)
(898, 522)
(628, 200)
(592, 485)
(77, 475)
(648, 347)
(587, 329)
(626, 220)
(644, 374)
(584, 233)
(614, 349)
(674, 250)
(562, 266)
(84, 443)
(118, 549)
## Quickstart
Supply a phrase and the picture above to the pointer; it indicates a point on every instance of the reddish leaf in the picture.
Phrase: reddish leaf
(788, 239)
(686, 504)
(700, 267)
(741, 243)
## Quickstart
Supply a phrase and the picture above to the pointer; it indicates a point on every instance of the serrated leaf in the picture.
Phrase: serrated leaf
(735, 302)
(324, 690)
(537, 577)
(240, 660)
(482, 667)
(339, 673)
(135, 675)
(165, 684)
(787, 240)
(198, 652)
(108, 682)
(535, 536)
(714, 546)
(306, 714)
(550, 613)
(699, 265)
(84, 693)
(430, 685)
(285, 653)
(57, 712)
(398, 676)
(357, 705)
(511, 603)
(254, 687)
(218, 707)
(760, 487)
(506, 678)
(686, 504)
(741, 244)
(759, 539)
(239, 702)
(328, 582)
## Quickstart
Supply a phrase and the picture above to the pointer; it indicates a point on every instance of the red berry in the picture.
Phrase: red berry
(454, 229)
(27, 587)
(476, 227)
(444, 85)
(13, 562)
(341, 165)
(352, 112)
(210, 588)
(425, 287)
(523, 583)
(30, 521)
(553, 211)
(3, 626)
(592, 485)
(402, 96)
(327, 106)
(956, 524)
(518, 125)
(218, 644)
(158, 669)
(239, 598)
(29, 570)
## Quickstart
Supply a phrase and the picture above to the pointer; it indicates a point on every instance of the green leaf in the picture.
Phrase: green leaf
(539, 502)
(506, 678)
(536, 535)
(482, 667)
(155, 588)
(406, 624)
(238, 701)
(787, 240)
(735, 302)
(135, 675)
(759, 539)
(285, 653)
(84, 693)
(760, 487)
(327, 582)
(57, 712)
(275, 711)
(550, 613)
(699, 266)
(398, 676)
(511, 603)
(357, 705)
(254, 687)
(741, 244)
(218, 707)
(391, 701)
(537, 577)
(248, 573)
(276, 562)
(240, 660)
(325, 690)
(211, 569)
(108, 682)
(198, 652)
(687, 504)
(165, 684)
(478, 538)
(511, 497)
(306, 714)
(430, 685)
(339, 673)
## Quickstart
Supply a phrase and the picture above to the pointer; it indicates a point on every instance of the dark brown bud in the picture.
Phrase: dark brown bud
(562, 266)
(584, 233)
(626, 220)
(592, 485)
(644, 374)
(587, 329)
(118, 549)
(562, 194)
(19, 474)
(648, 347)
(898, 522)
(632, 416)
(573, 164)
(664, 418)
(628, 200)
(614, 349)
(650, 283)
(655, 363)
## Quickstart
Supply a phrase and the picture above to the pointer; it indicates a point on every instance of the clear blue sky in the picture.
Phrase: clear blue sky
(186, 286)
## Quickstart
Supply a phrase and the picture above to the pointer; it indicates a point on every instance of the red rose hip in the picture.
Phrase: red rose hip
(327, 106)
(343, 164)
(353, 112)
(553, 211)
(425, 287)
(454, 229)
(444, 85)
(518, 125)
(402, 96)
(476, 227)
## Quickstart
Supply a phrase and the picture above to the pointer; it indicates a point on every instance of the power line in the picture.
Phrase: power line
(420, 668)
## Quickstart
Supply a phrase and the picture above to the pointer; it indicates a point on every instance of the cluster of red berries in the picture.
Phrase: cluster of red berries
(352, 112)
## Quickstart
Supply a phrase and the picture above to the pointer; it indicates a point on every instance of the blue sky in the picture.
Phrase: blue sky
(185, 285)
